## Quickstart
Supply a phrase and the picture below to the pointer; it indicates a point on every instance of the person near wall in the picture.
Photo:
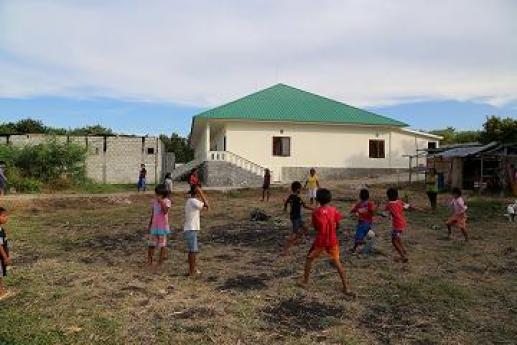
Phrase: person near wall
(3, 179)
(313, 184)
(431, 187)
(266, 185)
(142, 183)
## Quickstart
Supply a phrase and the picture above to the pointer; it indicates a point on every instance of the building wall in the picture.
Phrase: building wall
(111, 159)
(321, 145)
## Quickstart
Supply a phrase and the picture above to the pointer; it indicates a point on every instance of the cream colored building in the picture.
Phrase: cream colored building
(289, 131)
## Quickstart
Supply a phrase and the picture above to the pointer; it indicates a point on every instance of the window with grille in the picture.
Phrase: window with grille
(377, 149)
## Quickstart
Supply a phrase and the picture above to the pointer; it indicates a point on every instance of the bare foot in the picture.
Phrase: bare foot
(303, 284)
(349, 293)
(6, 294)
(405, 260)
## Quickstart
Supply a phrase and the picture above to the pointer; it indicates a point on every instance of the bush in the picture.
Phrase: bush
(55, 164)
(20, 183)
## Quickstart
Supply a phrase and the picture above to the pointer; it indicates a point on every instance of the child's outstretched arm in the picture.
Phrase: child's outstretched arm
(307, 207)
(410, 207)
(203, 197)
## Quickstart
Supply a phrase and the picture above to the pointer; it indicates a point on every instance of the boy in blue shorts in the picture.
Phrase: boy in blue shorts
(364, 210)
(296, 203)
(195, 203)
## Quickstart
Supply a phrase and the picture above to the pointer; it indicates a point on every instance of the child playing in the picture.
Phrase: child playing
(296, 203)
(142, 183)
(396, 209)
(195, 203)
(325, 220)
(313, 184)
(158, 228)
(364, 211)
(459, 214)
(266, 185)
(5, 257)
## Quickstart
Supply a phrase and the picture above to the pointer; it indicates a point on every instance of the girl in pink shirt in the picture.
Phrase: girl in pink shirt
(459, 214)
(158, 228)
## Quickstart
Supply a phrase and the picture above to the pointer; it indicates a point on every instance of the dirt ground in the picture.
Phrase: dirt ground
(80, 277)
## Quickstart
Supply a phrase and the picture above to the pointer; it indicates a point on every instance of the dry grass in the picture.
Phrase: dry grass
(80, 278)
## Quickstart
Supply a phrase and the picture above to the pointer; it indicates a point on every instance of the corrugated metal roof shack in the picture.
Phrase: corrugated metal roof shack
(475, 166)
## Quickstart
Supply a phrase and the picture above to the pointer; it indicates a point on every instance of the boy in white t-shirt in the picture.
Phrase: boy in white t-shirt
(195, 203)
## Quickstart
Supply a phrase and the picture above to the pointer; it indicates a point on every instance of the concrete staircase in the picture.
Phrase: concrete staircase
(185, 169)
(224, 168)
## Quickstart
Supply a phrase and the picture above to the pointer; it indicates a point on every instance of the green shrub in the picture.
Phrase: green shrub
(54, 164)
(20, 183)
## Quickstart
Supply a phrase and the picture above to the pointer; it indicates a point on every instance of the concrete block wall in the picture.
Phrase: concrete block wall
(301, 173)
(110, 159)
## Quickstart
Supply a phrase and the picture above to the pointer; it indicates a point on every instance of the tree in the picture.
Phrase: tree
(180, 146)
(91, 130)
(23, 127)
(30, 126)
(451, 136)
(499, 129)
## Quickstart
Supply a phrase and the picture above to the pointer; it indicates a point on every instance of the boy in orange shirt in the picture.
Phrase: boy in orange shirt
(325, 220)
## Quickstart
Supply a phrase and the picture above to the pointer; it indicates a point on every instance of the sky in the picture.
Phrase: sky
(145, 67)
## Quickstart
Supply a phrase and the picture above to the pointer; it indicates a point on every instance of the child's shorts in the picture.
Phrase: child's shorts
(141, 183)
(460, 220)
(361, 231)
(297, 225)
(191, 238)
(333, 252)
(157, 241)
(313, 192)
(395, 233)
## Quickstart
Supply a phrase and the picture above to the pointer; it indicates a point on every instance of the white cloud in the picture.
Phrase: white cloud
(364, 52)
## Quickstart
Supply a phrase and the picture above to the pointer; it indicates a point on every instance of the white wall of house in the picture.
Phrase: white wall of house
(317, 145)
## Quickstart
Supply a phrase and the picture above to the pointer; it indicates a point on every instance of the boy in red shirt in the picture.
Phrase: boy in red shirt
(396, 209)
(325, 220)
(364, 210)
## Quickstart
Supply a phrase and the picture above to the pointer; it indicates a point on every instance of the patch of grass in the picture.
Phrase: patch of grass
(81, 278)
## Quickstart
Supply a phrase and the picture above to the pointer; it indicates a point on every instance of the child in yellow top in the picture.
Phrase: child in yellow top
(313, 184)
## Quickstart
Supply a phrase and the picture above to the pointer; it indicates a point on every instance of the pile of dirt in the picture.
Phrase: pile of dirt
(298, 315)
(246, 233)
(244, 283)
(114, 242)
(258, 215)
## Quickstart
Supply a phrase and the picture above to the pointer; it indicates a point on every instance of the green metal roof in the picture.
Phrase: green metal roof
(285, 103)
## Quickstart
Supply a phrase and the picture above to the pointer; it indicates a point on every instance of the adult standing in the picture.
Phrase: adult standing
(431, 187)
